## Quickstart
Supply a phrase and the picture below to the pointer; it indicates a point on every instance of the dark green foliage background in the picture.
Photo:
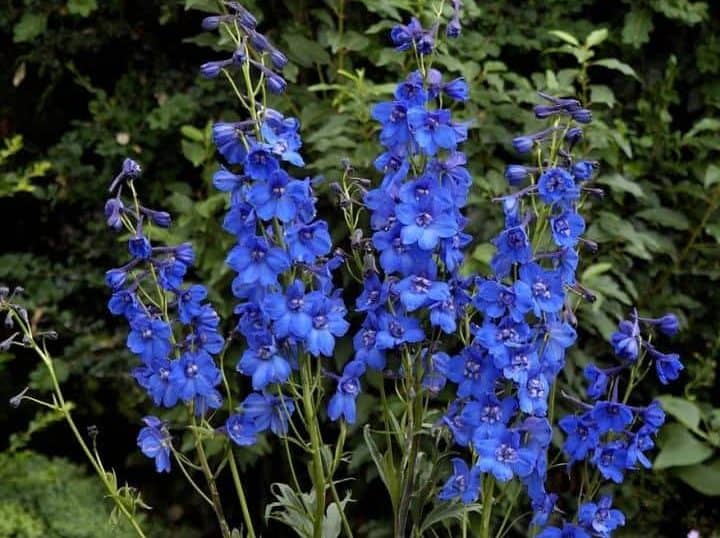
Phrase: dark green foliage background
(88, 82)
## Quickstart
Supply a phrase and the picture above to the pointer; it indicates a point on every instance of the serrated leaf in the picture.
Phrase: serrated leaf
(684, 411)
(29, 27)
(567, 38)
(617, 65)
(596, 37)
(679, 447)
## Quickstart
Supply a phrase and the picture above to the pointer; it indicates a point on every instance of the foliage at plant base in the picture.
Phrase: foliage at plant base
(88, 83)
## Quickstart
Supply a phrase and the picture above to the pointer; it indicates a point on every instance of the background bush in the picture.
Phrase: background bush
(87, 83)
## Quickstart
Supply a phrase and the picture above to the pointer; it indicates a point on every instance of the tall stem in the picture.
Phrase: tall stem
(214, 494)
(318, 475)
(487, 505)
(241, 494)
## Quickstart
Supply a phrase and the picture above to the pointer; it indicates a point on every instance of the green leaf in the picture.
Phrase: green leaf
(595, 269)
(81, 7)
(617, 65)
(679, 447)
(195, 153)
(705, 124)
(385, 467)
(663, 216)
(444, 511)
(29, 27)
(712, 175)
(568, 38)
(602, 94)
(619, 183)
(705, 478)
(596, 37)
(306, 52)
(684, 411)
(638, 25)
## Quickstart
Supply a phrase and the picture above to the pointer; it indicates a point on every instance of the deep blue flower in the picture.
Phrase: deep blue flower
(667, 366)
(601, 517)
(425, 222)
(365, 345)
(503, 456)
(257, 262)
(463, 484)
(396, 256)
(289, 311)
(582, 436)
(125, 303)
(139, 246)
(307, 242)
(457, 89)
(583, 170)
(435, 376)
(155, 378)
(611, 460)
(241, 430)
(432, 130)
(404, 36)
(114, 209)
(597, 381)
(463, 421)
(393, 116)
(268, 411)
(545, 286)
(417, 291)
(626, 340)
(154, 441)
(342, 403)
(496, 300)
(149, 338)
(260, 162)
(533, 395)
(189, 302)
(265, 364)
(195, 374)
(494, 416)
(229, 142)
(668, 324)
(328, 321)
(472, 371)
(566, 228)
(374, 293)
(516, 174)
(503, 337)
(394, 330)
(278, 197)
(282, 138)
(556, 185)
(611, 416)
(513, 246)
(653, 415)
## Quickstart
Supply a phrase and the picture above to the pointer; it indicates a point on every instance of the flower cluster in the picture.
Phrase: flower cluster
(173, 329)
(288, 307)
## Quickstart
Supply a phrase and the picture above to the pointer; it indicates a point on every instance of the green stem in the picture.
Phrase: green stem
(210, 479)
(241, 494)
(487, 506)
(318, 475)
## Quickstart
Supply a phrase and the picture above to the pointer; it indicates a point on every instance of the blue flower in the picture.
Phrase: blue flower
(472, 371)
(373, 295)
(545, 286)
(265, 365)
(282, 138)
(365, 345)
(229, 142)
(306, 242)
(425, 222)
(154, 441)
(503, 456)
(513, 246)
(556, 185)
(114, 209)
(256, 261)
(668, 324)
(667, 365)
(432, 130)
(394, 331)
(566, 228)
(241, 430)
(464, 483)
(494, 416)
(533, 395)
(626, 340)
(601, 517)
(195, 374)
(268, 411)
(393, 116)
(582, 436)
(597, 380)
(342, 403)
(611, 416)
(583, 170)
(611, 460)
(496, 300)
(278, 197)
(155, 378)
(289, 311)
(139, 246)
(189, 302)
(417, 291)
(260, 162)
(328, 322)
(149, 338)
(463, 421)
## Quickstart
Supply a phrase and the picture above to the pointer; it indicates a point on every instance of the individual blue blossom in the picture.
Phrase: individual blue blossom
(432, 130)
(601, 517)
(504, 457)
(241, 430)
(611, 459)
(597, 381)
(257, 262)
(556, 185)
(582, 436)
(278, 197)
(513, 246)
(417, 291)
(327, 322)
(393, 117)
(496, 300)
(545, 287)
(626, 340)
(229, 141)
(190, 302)
(289, 311)
(667, 365)
(194, 374)
(611, 416)
(567, 228)
(149, 338)
(583, 170)
(374, 293)
(668, 324)
(463, 421)
(533, 394)
(154, 441)
(342, 403)
(395, 330)
(653, 415)
(282, 138)
(267, 411)
(114, 209)
(493, 416)
(260, 163)
(425, 222)
(472, 371)
(307, 242)
(457, 89)
(154, 377)
(366, 349)
(435, 376)
(139, 246)
(124, 303)
(464, 483)
(265, 365)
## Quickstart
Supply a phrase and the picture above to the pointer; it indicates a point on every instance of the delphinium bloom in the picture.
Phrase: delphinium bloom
(173, 329)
